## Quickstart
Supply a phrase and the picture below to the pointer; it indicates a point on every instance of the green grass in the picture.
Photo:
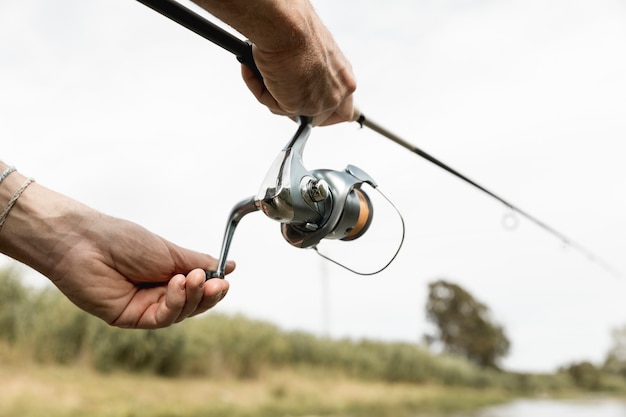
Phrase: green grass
(56, 360)
(31, 390)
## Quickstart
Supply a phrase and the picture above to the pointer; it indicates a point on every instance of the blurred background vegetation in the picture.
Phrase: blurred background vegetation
(41, 326)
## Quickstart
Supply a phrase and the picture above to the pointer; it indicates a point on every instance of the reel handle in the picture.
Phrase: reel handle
(237, 213)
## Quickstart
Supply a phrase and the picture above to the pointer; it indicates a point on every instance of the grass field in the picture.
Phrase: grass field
(31, 390)
(56, 360)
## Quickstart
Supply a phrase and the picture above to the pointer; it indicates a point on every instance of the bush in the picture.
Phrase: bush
(220, 344)
(585, 375)
(58, 331)
(44, 324)
(13, 301)
(160, 352)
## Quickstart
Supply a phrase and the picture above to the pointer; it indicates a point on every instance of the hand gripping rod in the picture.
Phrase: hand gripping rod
(243, 51)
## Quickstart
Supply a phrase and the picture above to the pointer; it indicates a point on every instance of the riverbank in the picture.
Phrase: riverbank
(31, 390)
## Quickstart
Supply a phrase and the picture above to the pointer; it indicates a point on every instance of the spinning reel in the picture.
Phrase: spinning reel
(319, 206)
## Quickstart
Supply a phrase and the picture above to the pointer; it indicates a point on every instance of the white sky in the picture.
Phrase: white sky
(116, 106)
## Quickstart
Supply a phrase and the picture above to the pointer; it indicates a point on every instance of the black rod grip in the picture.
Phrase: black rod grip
(207, 29)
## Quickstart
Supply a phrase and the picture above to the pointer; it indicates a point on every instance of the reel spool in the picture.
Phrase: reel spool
(313, 207)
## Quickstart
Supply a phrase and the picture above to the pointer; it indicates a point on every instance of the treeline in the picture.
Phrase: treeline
(42, 325)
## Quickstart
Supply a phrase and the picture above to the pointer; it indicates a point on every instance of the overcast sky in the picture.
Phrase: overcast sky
(116, 106)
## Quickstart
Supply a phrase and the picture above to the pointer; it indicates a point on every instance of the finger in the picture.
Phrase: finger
(188, 260)
(209, 272)
(330, 120)
(215, 290)
(230, 267)
(260, 92)
(345, 112)
(254, 84)
(170, 306)
(193, 291)
(324, 119)
(257, 88)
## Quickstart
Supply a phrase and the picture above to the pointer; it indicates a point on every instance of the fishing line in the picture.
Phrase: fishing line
(243, 51)
(591, 256)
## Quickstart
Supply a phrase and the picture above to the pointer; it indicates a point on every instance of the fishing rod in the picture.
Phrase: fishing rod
(243, 52)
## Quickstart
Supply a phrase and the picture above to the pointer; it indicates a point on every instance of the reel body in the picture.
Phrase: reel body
(310, 205)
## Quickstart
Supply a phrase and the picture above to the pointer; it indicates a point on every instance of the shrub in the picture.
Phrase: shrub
(13, 297)
(585, 375)
(154, 351)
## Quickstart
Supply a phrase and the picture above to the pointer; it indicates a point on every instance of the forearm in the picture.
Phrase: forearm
(102, 263)
(272, 25)
(42, 225)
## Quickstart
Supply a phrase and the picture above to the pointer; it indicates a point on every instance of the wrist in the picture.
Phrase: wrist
(272, 25)
(288, 26)
(41, 227)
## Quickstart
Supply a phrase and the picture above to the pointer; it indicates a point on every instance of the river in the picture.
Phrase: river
(554, 408)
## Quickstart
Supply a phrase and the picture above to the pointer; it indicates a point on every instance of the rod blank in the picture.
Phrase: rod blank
(565, 239)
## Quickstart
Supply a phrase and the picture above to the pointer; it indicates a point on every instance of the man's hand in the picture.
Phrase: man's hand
(130, 277)
(109, 267)
(315, 80)
(304, 71)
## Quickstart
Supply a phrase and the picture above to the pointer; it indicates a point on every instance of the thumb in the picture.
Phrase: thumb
(186, 260)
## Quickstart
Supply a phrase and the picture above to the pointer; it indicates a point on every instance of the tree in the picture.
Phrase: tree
(585, 375)
(615, 361)
(464, 325)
